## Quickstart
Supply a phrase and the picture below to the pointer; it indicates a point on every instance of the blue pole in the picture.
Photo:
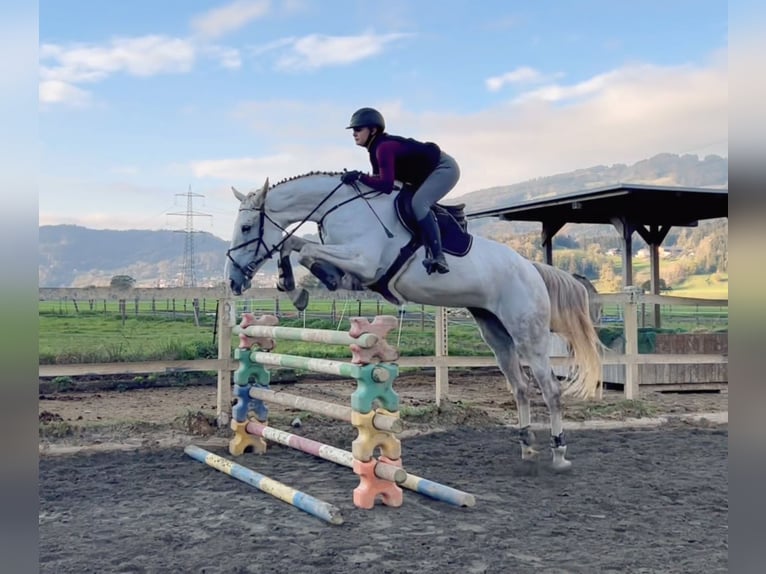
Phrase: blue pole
(305, 502)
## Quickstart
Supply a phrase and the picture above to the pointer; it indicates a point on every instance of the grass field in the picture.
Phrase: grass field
(103, 332)
(99, 337)
(714, 286)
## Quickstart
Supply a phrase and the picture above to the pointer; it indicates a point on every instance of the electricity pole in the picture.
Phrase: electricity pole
(188, 278)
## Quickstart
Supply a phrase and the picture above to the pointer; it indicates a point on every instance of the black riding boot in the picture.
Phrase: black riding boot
(434, 260)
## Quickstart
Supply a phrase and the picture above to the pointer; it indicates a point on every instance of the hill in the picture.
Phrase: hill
(73, 256)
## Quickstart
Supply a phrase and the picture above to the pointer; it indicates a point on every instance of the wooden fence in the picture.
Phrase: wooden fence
(628, 360)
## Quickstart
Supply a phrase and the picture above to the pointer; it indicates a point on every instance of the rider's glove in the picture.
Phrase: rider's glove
(349, 177)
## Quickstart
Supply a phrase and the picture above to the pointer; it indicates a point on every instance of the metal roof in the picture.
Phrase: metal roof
(642, 204)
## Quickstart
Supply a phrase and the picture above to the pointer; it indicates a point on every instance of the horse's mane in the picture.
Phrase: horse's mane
(293, 178)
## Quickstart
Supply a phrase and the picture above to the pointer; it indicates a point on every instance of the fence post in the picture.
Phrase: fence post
(441, 350)
(195, 308)
(630, 315)
(223, 395)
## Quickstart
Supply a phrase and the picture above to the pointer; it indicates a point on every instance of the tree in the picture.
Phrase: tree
(646, 286)
(610, 283)
(122, 282)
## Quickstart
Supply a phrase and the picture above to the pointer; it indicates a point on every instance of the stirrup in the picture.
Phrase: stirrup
(436, 265)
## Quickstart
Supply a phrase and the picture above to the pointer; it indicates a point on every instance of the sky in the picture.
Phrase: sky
(141, 102)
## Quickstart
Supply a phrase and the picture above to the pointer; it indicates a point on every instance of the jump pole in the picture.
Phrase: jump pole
(301, 500)
(365, 340)
(326, 366)
(415, 483)
(380, 421)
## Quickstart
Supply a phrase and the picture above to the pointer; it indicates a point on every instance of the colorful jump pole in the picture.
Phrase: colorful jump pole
(380, 421)
(326, 366)
(338, 456)
(365, 340)
(305, 502)
(412, 482)
(438, 491)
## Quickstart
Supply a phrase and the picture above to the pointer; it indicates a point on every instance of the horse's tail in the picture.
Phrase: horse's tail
(570, 318)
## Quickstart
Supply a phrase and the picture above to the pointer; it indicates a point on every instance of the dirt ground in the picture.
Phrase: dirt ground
(118, 494)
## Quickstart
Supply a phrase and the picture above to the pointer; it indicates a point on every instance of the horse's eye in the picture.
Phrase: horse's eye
(246, 228)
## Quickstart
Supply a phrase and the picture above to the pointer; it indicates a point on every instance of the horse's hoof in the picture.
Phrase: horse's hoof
(301, 301)
(530, 467)
(560, 463)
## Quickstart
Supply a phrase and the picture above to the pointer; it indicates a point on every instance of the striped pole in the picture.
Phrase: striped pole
(415, 483)
(305, 502)
(438, 491)
(380, 421)
(365, 340)
(327, 366)
(338, 456)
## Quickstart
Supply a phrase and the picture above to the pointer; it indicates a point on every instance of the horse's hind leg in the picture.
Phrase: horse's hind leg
(504, 348)
(539, 363)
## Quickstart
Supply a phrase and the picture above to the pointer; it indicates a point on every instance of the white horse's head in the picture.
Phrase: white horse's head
(254, 239)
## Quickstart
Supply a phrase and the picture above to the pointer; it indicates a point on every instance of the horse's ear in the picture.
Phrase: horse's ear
(238, 194)
(261, 195)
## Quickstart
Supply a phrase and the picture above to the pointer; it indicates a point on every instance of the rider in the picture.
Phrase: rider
(431, 172)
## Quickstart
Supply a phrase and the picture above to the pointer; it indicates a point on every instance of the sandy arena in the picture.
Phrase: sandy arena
(638, 500)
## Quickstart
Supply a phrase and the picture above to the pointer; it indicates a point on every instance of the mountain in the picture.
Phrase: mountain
(73, 256)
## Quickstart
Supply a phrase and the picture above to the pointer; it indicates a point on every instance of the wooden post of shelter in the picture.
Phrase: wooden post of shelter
(630, 315)
(441, 350)
(225, 324)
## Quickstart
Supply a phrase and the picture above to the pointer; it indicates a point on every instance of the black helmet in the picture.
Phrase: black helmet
(364, 117)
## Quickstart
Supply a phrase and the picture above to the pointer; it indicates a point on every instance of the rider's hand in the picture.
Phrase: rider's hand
(349, 177)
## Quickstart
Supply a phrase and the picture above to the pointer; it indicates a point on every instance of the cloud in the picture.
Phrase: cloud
(318, 51)
(139, 56)
(64, 67)
(58, 92)
(617, 116)
(244, 168)
(557, 92)
(229, 18)
(620, 116)
(229, 58)
(522, 75)
(287, 161)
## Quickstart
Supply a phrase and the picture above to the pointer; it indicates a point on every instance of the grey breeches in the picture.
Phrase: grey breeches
(437, 185)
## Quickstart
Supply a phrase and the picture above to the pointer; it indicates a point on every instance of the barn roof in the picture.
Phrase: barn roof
(641, 204)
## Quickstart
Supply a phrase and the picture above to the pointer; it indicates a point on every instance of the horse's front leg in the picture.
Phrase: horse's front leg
(338, 266)
(286, 277)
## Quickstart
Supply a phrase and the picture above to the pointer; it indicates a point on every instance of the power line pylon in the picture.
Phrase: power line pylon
(188, 275)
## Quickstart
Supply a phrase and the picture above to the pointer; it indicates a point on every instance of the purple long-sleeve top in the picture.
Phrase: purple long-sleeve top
(395, 158)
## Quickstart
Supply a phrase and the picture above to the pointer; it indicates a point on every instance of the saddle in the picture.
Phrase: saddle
(453, 228)
(451, 220)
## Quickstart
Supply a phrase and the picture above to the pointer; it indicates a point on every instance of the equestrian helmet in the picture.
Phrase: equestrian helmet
(365, 117)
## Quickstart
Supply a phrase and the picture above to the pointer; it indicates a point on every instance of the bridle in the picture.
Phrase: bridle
(269, 252)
